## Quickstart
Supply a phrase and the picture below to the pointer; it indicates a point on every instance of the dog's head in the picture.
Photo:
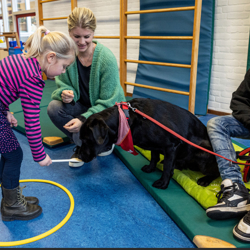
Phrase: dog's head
(96, 137)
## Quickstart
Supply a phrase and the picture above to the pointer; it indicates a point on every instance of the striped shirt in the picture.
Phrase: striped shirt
(22, 78)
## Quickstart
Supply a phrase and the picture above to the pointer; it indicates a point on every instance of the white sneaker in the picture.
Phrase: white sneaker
(242, 230)
(233, 201)
(74, 157)
(107, 152)
(77, 164)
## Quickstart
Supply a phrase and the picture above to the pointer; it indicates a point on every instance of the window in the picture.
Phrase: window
(1, 25)
(26, 25)
(10, 18)
(18, 15)
(2, 40)
(21, 5)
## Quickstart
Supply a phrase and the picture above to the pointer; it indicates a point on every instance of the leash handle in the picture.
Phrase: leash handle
(184, 139)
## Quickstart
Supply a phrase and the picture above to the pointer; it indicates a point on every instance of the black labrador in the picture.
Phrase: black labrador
(100, 131)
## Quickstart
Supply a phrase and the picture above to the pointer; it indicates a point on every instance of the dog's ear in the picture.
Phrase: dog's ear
(100, 130)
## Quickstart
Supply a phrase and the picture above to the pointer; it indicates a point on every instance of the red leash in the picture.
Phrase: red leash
(179, 136)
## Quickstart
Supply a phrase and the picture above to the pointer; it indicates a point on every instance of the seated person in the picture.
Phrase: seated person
(234, 198)
(90, 85)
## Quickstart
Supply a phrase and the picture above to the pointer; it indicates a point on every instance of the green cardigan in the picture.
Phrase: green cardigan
(104, 82)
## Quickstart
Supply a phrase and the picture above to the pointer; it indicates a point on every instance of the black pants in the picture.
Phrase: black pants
(10, 165)
(61, 113)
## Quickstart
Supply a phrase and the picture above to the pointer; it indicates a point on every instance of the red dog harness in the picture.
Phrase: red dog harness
(125, 140)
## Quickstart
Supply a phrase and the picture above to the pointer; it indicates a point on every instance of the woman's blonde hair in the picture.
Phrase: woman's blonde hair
(42, 41)
(83, 18)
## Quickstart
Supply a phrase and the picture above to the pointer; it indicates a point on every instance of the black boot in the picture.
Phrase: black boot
(15, 207)
(29, 199)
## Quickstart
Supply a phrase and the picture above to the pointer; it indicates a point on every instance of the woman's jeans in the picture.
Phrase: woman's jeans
(61, 113)
(220, 130)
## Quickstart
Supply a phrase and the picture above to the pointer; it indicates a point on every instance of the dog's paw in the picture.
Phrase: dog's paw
(205, 181)
(160, 184)
(147, 169)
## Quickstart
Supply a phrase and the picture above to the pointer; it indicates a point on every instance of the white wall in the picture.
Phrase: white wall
(231, 35)
(231, 38)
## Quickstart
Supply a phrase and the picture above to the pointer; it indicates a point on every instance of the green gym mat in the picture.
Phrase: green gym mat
(187, 213)
(48, 128)
(188, 180)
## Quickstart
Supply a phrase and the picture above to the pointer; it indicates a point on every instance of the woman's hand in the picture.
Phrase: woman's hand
(46, 162)
(67, 96)
(11, 119)
(73, 126)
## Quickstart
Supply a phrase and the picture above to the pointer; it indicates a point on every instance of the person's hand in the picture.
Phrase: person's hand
(11, 119)
(73, 126)
(67, 96)
(46, 162)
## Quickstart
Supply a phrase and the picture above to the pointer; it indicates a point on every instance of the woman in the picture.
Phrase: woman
(90, 85)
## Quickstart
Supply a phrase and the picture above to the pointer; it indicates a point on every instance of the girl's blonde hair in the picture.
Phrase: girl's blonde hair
(83, 18)
(42, 41)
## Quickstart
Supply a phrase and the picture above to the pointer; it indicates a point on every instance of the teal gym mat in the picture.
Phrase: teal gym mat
(47, 127)
(176, 23)
(187, 213)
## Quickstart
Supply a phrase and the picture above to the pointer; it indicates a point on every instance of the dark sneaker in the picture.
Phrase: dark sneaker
(235, 201)
(242, 230)
(107, 152)
(75, 156)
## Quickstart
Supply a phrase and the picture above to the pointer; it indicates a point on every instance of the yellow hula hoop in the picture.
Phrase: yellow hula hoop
(54, 229)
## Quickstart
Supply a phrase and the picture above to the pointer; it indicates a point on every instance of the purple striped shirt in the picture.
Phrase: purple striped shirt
(22, 78)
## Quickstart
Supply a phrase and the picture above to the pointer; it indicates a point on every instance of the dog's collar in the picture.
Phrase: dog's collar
(125, 108)
(125, 140)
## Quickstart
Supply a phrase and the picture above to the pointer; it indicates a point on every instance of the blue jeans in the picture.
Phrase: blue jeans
(60, 113)
(220, 130)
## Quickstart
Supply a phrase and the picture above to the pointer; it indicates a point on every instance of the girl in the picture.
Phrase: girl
(21, 77)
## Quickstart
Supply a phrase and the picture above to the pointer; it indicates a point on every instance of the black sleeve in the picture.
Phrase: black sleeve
(81, 118)
(240, 103)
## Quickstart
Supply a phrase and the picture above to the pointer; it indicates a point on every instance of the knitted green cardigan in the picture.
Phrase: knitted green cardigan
(104, 82)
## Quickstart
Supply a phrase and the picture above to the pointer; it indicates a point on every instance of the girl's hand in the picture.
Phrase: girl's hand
(46, 162)
(67, 96)
(73, 126)
(11, 119)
